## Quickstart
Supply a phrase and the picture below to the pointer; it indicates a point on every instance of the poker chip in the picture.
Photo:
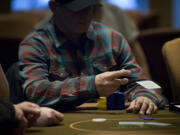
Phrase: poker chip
(131, 123)
(146, 118)
(138, 123)
(158, 124)
(98, 119)
(116, 101)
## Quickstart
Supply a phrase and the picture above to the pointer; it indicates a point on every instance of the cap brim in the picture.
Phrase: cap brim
(78, 5)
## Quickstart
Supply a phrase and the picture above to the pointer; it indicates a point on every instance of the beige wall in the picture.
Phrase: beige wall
(162, 7)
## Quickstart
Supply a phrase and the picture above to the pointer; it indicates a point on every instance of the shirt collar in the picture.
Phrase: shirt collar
(91, 34)
(55, 32)
(59, 38)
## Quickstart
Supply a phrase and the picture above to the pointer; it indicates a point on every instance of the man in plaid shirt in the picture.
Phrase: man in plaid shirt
(72, 59)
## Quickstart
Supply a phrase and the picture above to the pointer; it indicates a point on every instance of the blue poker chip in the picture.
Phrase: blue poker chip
(116, 101)
(146, 118)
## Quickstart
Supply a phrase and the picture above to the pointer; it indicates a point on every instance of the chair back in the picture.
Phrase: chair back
(152, 41)
(4, 86)
(8, 51)
(171, 55)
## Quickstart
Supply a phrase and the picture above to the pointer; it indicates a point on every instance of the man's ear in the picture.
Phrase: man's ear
(52, 6)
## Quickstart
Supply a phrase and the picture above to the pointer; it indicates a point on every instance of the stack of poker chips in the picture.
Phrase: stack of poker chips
(116, 101)
(102, 103)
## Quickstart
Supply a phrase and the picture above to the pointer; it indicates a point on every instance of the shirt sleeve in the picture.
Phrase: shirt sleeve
(132, 89)
(38, 87)
(8, 124)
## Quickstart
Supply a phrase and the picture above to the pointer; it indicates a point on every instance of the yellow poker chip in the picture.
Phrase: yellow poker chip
(102, 103)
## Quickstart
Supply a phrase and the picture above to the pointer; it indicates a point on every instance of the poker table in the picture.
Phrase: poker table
(80, 122)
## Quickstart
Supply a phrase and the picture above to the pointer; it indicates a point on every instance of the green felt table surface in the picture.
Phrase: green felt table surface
(80, 123)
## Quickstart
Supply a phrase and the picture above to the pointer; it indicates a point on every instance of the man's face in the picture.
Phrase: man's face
(74, 22)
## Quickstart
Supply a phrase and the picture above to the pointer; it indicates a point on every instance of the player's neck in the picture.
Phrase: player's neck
(72, 36)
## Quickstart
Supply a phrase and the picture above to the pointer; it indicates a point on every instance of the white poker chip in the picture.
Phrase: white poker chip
(157, 124)
(131, 123)
(98, 119)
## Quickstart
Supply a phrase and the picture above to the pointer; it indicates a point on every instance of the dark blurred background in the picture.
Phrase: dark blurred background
(157, 21)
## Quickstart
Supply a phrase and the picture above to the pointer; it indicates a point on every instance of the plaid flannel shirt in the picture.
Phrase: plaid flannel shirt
(59, 74)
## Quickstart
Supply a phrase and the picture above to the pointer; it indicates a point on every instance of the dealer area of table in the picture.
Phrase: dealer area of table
(80, 122)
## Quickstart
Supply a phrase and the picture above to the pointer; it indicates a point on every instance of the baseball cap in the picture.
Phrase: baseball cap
(77, 5)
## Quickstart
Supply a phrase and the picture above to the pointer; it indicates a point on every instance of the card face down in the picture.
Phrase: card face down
(148, 84)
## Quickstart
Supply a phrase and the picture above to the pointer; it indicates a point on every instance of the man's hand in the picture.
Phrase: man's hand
(48, 117)
(108, 82)
(142, 105)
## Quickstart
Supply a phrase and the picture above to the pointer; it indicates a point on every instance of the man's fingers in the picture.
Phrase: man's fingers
(59, 116)
(49, 117)
(26, 104)
(122, 81)
(32, 110)
(120, 73)
(29, 108)
(32, 113)
(155, 108)
(33, 105)
(131, 107)
(144, 107)
(150, 109)
(138, 105)
(54, 118)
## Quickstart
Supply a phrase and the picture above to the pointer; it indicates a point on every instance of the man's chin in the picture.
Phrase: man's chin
(81, 31)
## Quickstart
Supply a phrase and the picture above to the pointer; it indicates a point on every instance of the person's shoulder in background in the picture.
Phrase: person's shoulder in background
(119, 20)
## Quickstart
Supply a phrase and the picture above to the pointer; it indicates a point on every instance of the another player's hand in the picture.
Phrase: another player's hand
(21, 121)
(30, 111)
(108, 82)
(49, 117)
(142, 105)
